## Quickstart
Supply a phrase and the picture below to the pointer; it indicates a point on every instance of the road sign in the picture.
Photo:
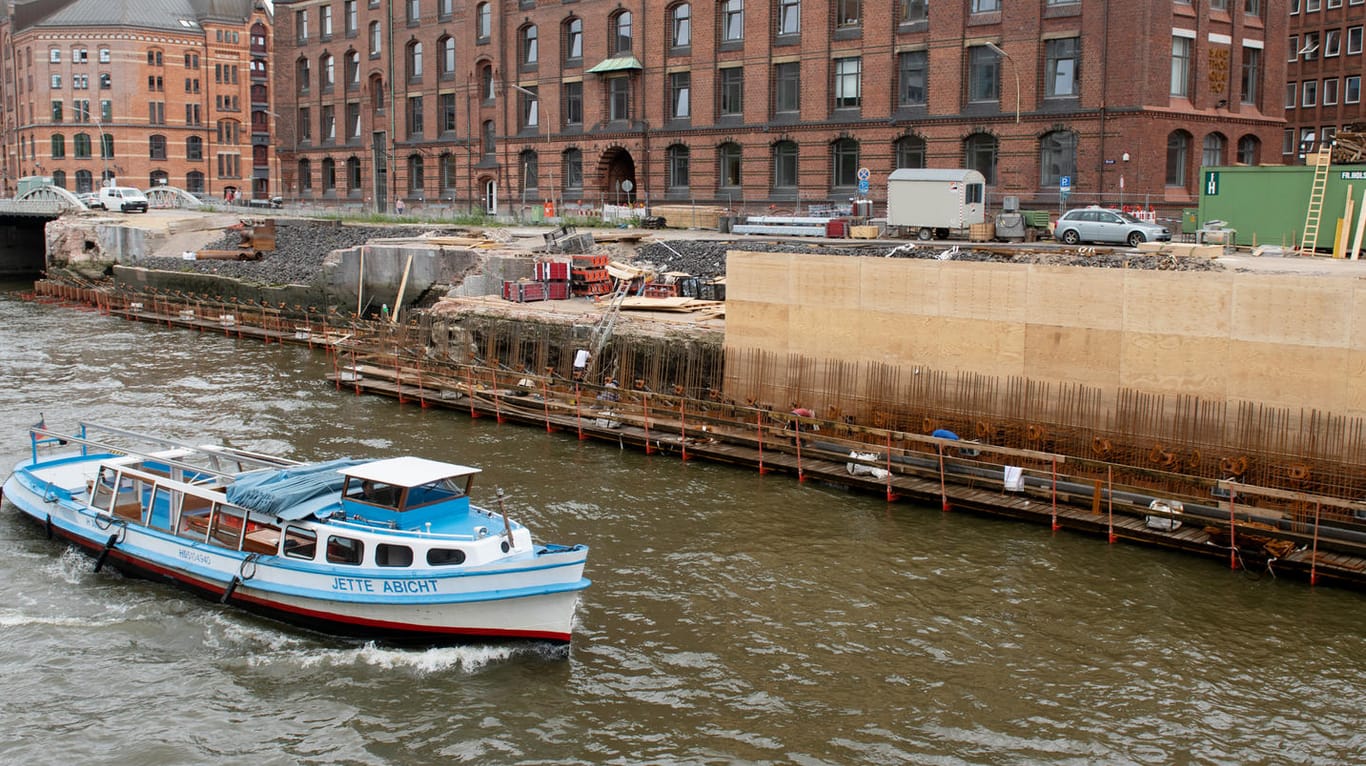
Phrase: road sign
(1211, 183)
(1065, 184)
(863, 186)
(864, 174)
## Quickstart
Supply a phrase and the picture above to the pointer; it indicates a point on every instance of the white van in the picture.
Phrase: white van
(123, 198)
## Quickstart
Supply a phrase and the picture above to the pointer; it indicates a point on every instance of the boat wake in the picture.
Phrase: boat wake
(467, 659)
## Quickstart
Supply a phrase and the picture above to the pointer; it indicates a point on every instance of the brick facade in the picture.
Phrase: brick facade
(175, 95)
(742, 150)
(1324, 53)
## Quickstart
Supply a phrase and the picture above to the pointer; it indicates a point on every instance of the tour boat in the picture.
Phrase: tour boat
(391, 550)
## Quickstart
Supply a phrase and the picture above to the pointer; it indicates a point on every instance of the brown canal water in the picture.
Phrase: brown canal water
(733, 619)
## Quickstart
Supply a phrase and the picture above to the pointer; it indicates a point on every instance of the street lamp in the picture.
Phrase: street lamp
(999, 52)
(104, 155)
(526, 162)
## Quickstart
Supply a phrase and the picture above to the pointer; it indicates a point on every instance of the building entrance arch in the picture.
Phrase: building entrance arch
(617, 169)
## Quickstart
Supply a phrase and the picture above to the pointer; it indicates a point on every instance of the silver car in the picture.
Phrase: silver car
(1094, 224)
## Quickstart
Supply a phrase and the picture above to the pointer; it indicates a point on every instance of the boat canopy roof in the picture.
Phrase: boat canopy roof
(407, 471)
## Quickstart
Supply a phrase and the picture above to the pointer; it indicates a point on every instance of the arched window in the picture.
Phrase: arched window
(158, 178)
(446, 45)
(979, 153)
(1057, 157)
(844, 160)
(194, 182)
(677, 159)
(377, 92)
(621, 33)
(59, 178)
(416, 174)
(528, 46)
(530, 166)
(728, 165)
(448, 170)
(156, 147)
(486, 87)
(573, 40)
(352, 73)
(680, 26)
(305, 176)
(483, 22)
(910, 152)
(85, 181)
(414, 61)
(302, 75)
(785, 166)
(1178, 156)
(1213, 153)
(573, 171)
(353, 184)
(81, 146)
(327, 73)
(1249, 150)
(329, 169)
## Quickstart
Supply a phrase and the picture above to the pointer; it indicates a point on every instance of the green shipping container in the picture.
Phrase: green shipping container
(1266, 205)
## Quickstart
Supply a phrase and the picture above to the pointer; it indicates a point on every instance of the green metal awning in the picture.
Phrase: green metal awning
(617, 64)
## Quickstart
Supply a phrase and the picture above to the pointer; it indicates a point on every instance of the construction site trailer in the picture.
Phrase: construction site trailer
(935, 203)
(1267, 204)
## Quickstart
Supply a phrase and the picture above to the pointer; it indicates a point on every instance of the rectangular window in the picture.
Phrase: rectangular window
(56, 82)
(54, 56)
(1310, 49)
(349, 10)
(571, 101)
(732, 20)
(1290, 91)
(848, 83)
(1181, 66)
(1330, 91)
(56, 111)
(1353, 41)
(1252, 74)
(414, 116)
(104, 56)
(1332, 42)
(327, 127)
(304, 124)
(1351, 91)
(326, 21)
(787, 88)
(732, 92)
(789, 17)
(447, 108)
(156, 112)
(1309, 93)
(848, 14)
(911, 71)
(1061, 62)
(353, 119)
(986, 6)
(984, 74)
(1294, 48)
(680, 95)
(1310, 6)
(619, 98)
(529, 107)
(1288, 141)
(301, 25)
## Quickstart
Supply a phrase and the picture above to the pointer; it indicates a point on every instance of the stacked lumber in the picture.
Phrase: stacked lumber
(1349, 146)
(689, 216)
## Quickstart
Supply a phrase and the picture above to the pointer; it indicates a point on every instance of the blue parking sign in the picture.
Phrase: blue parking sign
(862, 187)
(1065, 183)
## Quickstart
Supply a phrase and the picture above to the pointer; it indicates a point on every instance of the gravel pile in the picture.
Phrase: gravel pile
(300, 247)
(707, 258)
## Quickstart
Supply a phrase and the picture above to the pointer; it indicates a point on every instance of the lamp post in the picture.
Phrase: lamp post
(1125, 159)
(104, 155)
(526, 163)
(999, 52)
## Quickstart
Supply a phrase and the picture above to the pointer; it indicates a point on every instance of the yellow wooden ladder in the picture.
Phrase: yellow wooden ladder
(1322, 158)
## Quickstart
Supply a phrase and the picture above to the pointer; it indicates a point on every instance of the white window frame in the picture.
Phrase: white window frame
(1349, 85)
(1329, 95)
(1354, 41)
(1332, 43)
(1309, 93)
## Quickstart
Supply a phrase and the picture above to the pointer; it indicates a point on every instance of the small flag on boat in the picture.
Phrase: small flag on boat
(41, 425)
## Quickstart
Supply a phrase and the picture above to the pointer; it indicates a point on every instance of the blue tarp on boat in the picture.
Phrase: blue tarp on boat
(290, 493)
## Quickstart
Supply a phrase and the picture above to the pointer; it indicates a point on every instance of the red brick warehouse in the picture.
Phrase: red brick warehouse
(769, 104)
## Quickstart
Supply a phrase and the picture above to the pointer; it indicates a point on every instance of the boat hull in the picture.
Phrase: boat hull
(531, 599)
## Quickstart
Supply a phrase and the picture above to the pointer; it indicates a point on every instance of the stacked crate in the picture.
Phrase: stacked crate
(555, 276)
(588, 275)
(524, 291)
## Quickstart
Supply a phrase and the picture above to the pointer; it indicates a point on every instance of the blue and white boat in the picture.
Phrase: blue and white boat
(391, 550)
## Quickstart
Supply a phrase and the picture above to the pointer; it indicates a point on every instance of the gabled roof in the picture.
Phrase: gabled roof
(179, 15)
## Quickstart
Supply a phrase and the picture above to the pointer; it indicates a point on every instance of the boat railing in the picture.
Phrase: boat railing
(376, 528)
(214, 455)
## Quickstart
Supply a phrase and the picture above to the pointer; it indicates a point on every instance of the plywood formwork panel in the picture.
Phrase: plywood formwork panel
(1073, 297)
(889, 286)
(1292, 310)
(1175, 364)
(827, 282)
(996, 348)
(1290, 375)
(1167, 303)
(986, 291)
(750, 324)
(758, 277)
(1085, 355)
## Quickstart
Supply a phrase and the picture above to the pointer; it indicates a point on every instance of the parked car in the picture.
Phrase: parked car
(90, 199)
(1094, 224)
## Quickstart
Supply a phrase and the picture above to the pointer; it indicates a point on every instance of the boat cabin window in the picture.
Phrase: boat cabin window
(301, 543)
(344, 550)
(445, 557)
(387, 555)
(375, 493)
(102, 491)
(436, 492)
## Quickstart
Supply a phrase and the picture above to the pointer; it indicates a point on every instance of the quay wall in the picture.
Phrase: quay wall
(1279, 339)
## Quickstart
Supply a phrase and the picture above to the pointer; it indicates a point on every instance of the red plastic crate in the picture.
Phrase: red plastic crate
(557, 291)
(551, 271)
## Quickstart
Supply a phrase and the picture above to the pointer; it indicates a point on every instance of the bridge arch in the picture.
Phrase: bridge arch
(64, 200)
(172, 196)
